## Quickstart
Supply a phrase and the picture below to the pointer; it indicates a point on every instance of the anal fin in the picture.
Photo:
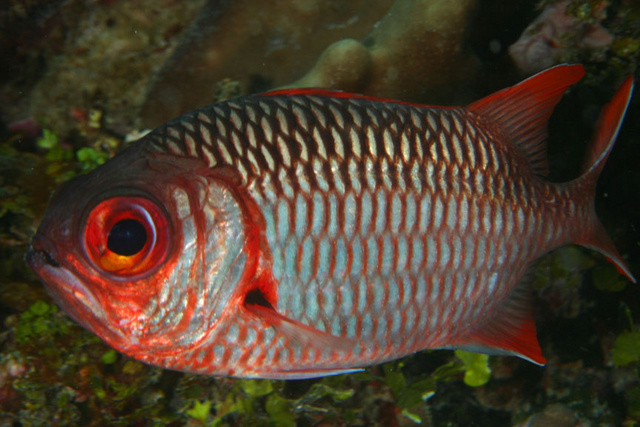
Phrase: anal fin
(512, 331)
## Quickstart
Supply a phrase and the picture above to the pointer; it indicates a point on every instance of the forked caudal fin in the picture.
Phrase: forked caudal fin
(522, 112)
(604, 138)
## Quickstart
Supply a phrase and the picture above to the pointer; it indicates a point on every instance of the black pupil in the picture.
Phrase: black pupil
(127, 237)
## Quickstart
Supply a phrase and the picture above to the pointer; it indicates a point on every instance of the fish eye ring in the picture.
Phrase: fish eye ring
(126, 236)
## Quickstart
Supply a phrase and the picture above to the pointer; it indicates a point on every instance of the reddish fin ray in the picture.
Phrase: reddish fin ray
(523, 110)
(599, 241)
(604, 138)
(511, 332)
(607, 128)
(303, 335)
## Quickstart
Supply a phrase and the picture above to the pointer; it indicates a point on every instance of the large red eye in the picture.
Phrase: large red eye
(127, 236)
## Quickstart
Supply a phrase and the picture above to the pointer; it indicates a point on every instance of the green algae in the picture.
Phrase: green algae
(563, 267)
(40, 320)
(476, 368)
(279, 410)
(256, 388)
(626, 47)
(343, 399)
(606, 278)
(626, 348)
(200, 410)
(58, 156)
(90, 158)
(65, 162)
(109, 357)
(57, 370)
(586, 11)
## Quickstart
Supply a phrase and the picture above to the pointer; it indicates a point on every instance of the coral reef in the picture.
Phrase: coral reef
(53, 371)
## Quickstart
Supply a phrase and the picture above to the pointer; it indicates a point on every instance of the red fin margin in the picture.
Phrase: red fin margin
(523, 110)
(331, 93)
(602, 143)
(607, 128)
(511, 332)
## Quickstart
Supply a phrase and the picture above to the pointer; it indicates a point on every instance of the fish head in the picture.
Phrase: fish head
(146, 251)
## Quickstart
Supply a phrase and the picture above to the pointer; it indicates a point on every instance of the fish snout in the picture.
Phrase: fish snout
(41, 253)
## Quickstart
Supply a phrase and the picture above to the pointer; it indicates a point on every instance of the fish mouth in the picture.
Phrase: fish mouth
(41, 255)
(63, 285)
(36, 259)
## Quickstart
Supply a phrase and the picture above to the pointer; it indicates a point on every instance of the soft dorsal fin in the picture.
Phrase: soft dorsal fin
(523, 110)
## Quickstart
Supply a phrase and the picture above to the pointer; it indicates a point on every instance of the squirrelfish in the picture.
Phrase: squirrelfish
(305, 232)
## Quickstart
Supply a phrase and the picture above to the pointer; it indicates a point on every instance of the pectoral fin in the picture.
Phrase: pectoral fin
(295, 331)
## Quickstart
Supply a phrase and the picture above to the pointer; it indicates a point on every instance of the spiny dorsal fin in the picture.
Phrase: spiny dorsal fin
(523, 110)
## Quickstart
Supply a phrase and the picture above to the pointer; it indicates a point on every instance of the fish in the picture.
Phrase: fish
(305, 232)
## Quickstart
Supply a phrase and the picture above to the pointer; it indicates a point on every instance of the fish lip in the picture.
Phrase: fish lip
(41, 258)
(68, 282)
(42, 252)
(38, 258)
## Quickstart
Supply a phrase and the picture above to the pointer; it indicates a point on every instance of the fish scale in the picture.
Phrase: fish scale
(303, 232)
(441, 132)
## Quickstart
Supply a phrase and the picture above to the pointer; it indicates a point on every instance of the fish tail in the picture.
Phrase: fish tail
(593, 235)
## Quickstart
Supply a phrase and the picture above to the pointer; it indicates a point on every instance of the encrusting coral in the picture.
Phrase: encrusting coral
(554, 33)
(415, 53)
(260, 44)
